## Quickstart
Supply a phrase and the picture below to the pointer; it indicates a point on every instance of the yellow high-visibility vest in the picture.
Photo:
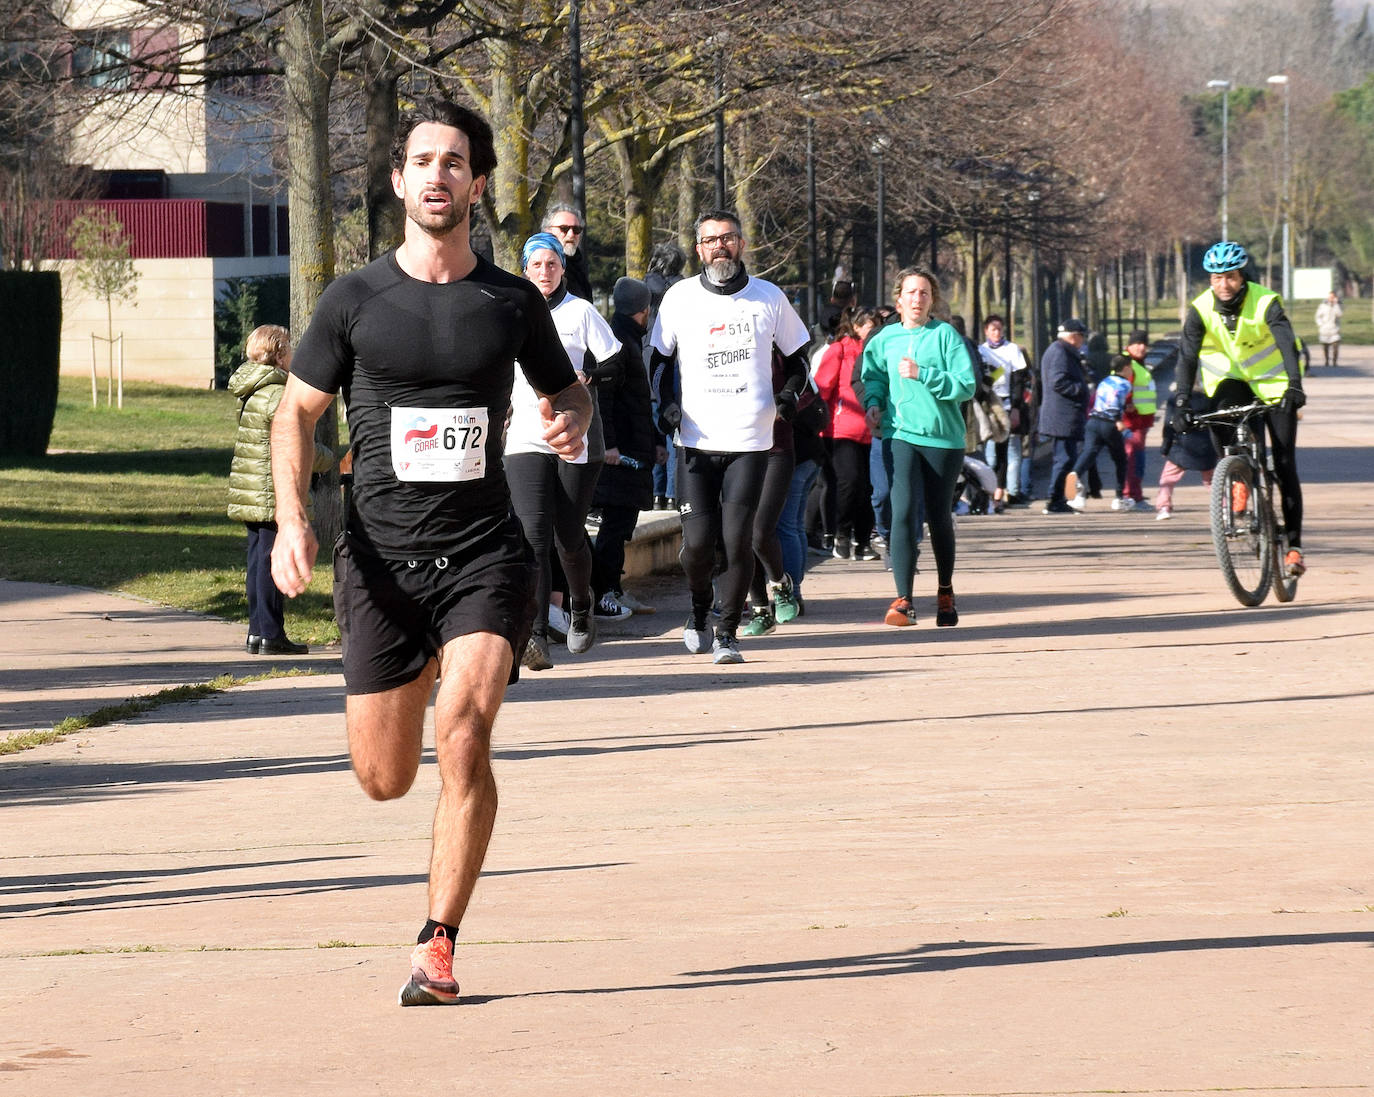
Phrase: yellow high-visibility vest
(1143, 389)
(1250, 354)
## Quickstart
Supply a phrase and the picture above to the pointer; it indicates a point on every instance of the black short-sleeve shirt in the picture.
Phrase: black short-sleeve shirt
(426, 369)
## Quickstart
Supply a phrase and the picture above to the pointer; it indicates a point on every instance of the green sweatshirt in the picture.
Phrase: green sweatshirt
(925, 411)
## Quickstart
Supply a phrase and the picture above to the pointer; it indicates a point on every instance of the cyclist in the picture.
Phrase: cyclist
(1238, 333)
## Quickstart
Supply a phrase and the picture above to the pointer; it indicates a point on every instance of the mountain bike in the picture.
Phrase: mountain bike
(1248, 530)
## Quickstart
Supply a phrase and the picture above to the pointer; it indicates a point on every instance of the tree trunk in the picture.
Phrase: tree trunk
(385, 216)
(309, 72)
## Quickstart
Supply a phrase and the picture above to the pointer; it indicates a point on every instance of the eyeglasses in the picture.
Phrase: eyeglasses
(726, 238)
(576, 230)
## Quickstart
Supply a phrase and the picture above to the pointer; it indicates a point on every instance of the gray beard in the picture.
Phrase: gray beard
(720, 271)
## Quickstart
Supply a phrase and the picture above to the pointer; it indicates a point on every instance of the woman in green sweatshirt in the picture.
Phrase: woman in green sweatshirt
(916, 376)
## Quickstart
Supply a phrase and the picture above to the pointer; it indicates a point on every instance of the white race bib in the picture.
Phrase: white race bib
(439, 445)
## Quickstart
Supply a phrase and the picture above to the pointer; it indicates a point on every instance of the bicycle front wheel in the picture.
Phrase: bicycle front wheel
(1242, 531)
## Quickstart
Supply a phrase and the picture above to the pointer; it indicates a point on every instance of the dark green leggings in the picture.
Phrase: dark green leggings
(923, 478)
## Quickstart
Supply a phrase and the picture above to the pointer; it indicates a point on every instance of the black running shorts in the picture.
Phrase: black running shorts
(396, 615)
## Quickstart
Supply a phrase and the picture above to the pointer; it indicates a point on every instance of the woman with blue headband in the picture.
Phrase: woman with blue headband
(551, 497)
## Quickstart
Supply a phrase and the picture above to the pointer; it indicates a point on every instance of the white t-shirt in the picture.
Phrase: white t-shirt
(1002, 362)
(724, 345)
(581, 328)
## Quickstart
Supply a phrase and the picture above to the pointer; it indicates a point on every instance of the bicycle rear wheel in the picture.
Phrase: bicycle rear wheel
(1242, 531)
(1285, 586)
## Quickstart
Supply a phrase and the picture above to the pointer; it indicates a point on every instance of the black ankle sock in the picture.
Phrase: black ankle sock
(426, 934)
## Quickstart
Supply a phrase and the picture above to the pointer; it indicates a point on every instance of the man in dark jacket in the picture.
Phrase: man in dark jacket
(567, 226)
(626, 483)
(1061, 412)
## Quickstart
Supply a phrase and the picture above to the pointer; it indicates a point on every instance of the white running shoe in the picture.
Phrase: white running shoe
(725, 649)
(559, 622)
(1163, 514)
(696, 640)
(633, 604)
(1079, 503)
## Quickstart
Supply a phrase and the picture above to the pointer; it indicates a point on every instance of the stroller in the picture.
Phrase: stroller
(975, 488)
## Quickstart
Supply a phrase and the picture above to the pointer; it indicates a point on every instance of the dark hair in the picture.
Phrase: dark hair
(481, 145)
(853, 318)
(667, 258)
(842, 291)
(716, 215)
(993, 318)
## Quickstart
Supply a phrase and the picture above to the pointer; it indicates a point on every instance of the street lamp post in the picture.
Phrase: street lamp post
(880, 146)
(1282, 81)
(812, 307)
(1225, 86)
(579, 161)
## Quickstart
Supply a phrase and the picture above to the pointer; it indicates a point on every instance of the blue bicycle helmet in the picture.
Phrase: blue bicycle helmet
(1223, 256)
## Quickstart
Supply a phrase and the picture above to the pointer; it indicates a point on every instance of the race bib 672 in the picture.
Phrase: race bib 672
(436, 445)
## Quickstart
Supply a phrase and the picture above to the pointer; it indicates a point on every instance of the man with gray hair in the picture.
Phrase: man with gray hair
(568, 226)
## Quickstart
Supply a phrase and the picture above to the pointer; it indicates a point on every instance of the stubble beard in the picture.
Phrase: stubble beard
(437, 223)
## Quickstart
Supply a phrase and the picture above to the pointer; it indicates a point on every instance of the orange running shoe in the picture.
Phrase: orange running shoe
(431, 974)
(1292, 563)
(900, 613)
(1240, 496)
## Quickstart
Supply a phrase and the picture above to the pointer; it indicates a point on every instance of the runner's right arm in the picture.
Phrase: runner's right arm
(293, 452)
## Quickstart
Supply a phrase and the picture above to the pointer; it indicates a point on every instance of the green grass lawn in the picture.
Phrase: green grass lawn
(133, 501)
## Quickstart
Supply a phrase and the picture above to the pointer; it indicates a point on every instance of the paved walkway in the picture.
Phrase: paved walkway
(1111, 834)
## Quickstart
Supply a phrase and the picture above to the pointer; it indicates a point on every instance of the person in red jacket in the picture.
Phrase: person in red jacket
(849, 434)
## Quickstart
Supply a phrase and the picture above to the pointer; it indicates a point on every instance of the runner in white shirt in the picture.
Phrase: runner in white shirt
(551, 497)
(713, 365)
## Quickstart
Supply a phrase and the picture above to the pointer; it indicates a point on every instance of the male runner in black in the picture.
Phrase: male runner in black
(432, 577)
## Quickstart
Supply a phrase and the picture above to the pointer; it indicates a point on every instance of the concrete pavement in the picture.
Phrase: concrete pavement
(1111, 834)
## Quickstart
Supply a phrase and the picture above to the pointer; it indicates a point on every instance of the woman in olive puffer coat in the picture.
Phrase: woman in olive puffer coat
(259, 384)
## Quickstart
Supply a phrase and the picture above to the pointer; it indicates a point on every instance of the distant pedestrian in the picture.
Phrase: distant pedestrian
(1061, 410)
(1139, 418)
(1329, 329)
(258, 384)
(1111, 399)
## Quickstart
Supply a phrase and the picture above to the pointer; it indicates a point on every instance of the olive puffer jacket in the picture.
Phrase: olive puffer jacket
(259, 389)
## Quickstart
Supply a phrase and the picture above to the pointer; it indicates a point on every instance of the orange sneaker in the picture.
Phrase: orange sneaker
(900, 613)
(1292, 563)
(431, 974)
(1240, 496)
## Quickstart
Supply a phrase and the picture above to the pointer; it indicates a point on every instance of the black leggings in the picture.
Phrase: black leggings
(719, 493)
(1283, 437)
(551, 498)
(923, 475)
(853, 505)
(777, 484)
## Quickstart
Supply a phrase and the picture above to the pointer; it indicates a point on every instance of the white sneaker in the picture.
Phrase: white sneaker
(725, 649)
(1163, 514)
(633, 604)
(559, 622)
(1118, 504)
(1078, 503)
(697, 640)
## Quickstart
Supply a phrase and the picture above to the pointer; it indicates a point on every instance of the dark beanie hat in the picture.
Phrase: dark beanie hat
(630, 296)
(1138, 336)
